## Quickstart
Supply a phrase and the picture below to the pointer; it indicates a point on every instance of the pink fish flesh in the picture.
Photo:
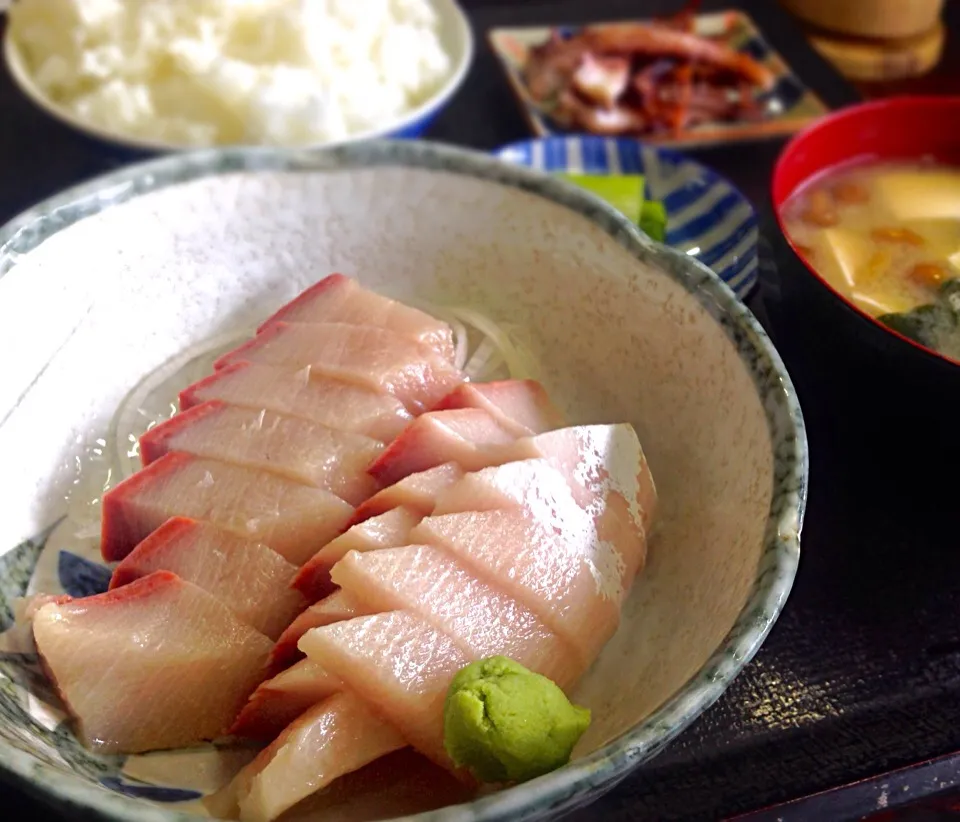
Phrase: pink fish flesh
(335, 607)
(302, 451)
(302, 394)
(416, 492)
(570, 579)
(249, 578)
(280, 700)
(469, 437)
(158, 663)
(388, 530)
(521, 407)
(293, 519)
(484, 621)
(333, 738)
(372, 358)
(340, 299)
(410, 690)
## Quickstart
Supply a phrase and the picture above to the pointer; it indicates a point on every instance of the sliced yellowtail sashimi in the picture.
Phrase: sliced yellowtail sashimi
(295, 520)
(390, 529)
(416, 492)
(333, 738)
(601, 460)
(572, 580)
(484, 621)
(372, 358)
(550, 491)
(280, 700)
(340, 299)
(335, 607)
(303, 451)
(398, 785)
(156, 664)
(469, 437)
(334, 403)
(521, 407)
(408, 690)
(250, 578)
(603, 467)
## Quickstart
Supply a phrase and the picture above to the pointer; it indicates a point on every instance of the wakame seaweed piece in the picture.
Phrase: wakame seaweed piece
(919, 324)
(949, 297)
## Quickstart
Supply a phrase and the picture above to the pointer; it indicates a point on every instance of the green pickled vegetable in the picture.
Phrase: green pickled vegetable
(653, 220)
(626, 193)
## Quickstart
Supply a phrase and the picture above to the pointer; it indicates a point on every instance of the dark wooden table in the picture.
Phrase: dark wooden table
(862, 672)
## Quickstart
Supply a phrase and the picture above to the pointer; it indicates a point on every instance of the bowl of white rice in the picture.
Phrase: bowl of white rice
(167, 75)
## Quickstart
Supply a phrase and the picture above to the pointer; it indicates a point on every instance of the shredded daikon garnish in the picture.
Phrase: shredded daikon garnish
(498, 348)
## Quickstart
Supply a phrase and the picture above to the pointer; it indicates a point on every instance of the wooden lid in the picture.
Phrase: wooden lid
(879, 60)
(868, 18)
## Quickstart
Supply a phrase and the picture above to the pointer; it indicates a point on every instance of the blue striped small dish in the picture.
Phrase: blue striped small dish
(707, 217)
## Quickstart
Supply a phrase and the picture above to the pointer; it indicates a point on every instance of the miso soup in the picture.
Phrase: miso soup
(887, 237)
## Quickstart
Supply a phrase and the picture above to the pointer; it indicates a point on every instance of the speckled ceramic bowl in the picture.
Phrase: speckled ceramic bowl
(109, 281)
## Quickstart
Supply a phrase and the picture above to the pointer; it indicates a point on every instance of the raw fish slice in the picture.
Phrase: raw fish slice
(280, 700)
(416, 492)
(251, 579)
(410, 690)
(603, 465)
(469, 437)
(293, 519)
(521, 407)
(372, 358)
(336, 607)
(539, 487)
(158, 663)
(566, 576)
(334, 737)
(389, 530)
(326, 401)
(603, 461)
(395, 786)
(297, 449)
(484, 621)
(340, 299)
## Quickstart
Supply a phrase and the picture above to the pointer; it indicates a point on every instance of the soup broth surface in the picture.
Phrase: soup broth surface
(887, 237)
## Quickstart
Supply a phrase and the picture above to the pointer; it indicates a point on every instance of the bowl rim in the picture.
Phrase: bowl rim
(778, 195)
(447, 10)
(778, 558)
(675, 156)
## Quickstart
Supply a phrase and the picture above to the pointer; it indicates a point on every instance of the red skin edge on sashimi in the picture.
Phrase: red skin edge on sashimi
(239, 353)
(155, 442)
(188, 397)
(456, 399)
(113, 527)
(285, 652)
(327, 283)
(126, 572)
(313, 581)
(384, 467)
(366, 511)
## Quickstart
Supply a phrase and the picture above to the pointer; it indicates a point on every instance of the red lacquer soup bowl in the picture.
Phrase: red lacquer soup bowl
(897, 129)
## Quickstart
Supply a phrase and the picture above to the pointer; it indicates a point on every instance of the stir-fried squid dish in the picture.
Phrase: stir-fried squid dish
(643, 78)
(348, 548)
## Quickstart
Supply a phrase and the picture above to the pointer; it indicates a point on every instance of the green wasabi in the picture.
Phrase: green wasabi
(505, 723)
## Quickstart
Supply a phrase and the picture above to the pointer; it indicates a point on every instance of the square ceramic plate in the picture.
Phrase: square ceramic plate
(789, 105)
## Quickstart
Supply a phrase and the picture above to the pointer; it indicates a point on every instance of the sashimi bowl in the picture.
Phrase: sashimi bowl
(117, 294)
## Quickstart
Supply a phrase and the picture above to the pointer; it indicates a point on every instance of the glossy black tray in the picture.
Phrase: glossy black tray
(861, 675)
